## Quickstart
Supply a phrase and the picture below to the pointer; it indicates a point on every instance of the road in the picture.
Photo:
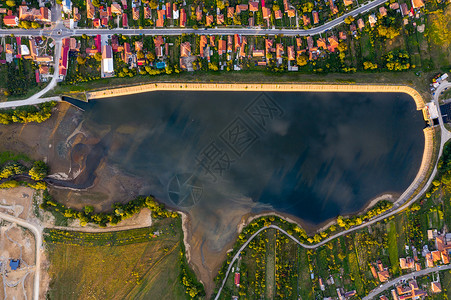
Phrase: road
(64, 32)
(390, 283)
(38, 237)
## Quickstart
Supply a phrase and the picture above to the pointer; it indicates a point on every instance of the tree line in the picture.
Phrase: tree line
(27, 114)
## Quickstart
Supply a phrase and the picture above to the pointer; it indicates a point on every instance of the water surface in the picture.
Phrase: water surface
(313, 155)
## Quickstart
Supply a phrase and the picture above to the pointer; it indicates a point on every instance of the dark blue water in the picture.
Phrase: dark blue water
(313, 155)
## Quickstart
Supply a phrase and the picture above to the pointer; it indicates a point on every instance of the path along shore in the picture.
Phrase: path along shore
(259, 87)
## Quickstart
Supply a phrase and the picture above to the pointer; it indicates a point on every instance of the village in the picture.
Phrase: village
(113, 55)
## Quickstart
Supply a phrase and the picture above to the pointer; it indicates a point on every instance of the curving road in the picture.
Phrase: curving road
(390, 283)
(38, 237)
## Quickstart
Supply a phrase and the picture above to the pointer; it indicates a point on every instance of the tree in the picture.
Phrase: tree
(39, 170)
(150, 56)
(96, 3)
(140, 54)
(275, 7)
(35, 25)
(84, 36)
(220, 4)
(302, 60)
(349, 19)
(153, 4)
(342, 47)
(98, 56)
(11, 3)
(81, 60)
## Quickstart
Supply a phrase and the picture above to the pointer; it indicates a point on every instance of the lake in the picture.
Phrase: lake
(312, 155)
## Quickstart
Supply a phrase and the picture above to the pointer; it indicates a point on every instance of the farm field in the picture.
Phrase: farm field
(131, 264)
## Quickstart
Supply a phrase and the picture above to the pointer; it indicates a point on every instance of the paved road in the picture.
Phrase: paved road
(38, 237)
(390, 283)
(64, 32)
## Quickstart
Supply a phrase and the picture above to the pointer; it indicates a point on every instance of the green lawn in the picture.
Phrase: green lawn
(393, 247)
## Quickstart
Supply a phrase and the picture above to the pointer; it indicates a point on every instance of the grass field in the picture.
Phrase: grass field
(147, 268)
(393, 246)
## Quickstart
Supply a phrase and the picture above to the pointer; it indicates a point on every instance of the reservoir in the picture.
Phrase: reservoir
(311, 155)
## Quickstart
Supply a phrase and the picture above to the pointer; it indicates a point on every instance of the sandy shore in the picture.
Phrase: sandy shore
(262, 87)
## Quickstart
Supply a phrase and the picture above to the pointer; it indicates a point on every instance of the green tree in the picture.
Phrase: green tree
(302, 60)
(39, 170)
(349, 19)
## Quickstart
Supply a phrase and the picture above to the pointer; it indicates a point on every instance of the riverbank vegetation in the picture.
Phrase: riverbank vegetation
(119, 211)
(148, 263)
(27, 114)
(18, 169)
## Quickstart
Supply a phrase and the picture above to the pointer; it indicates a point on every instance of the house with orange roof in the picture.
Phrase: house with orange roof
(436, 256)
(258, 53)
(321, 43)
(212, 40)
(96, 23)
(445, 257)
(203, 43)
(185, 49)
(158, 42)
(220, 19)
(147, 12)
(116, 8)
(127, 52)
(382, 11)
(406, 263)
(230, 12)
(209, 19)
(266, 13)
(333, 7)
(383, 275)
(342, 35)
(298, 43)
(315, 17)
(305, 20)
(168, 10)
(138, 46)
(278, 14)
(347, 2)
(222, 47)
(429, 260)
(291, 13)
(229, 43)
(394, 5)
(333, 43)
(161, 13)
(360, 24)
(309, 42)
(383, 297)
(404, 9)
(42, 14)
(290, 53)
(372, 19)
(269, 46)
(240, 8)
(417, 4)
(373, 271)
(182, 17)
(11, 21)
(253, 6)
(279, 52)
(135, 12)
(285, 5)
(108, 12)
(198, 13)
(436, 287)
(243, 46)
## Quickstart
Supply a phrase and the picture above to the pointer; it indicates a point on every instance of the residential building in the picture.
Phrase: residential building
(107, 60)
(11, 20)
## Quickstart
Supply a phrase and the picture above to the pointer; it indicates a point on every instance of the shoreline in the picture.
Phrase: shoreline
(311, 228)
(262, 87)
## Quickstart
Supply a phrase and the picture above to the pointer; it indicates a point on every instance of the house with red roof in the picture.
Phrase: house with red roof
(11, 21)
